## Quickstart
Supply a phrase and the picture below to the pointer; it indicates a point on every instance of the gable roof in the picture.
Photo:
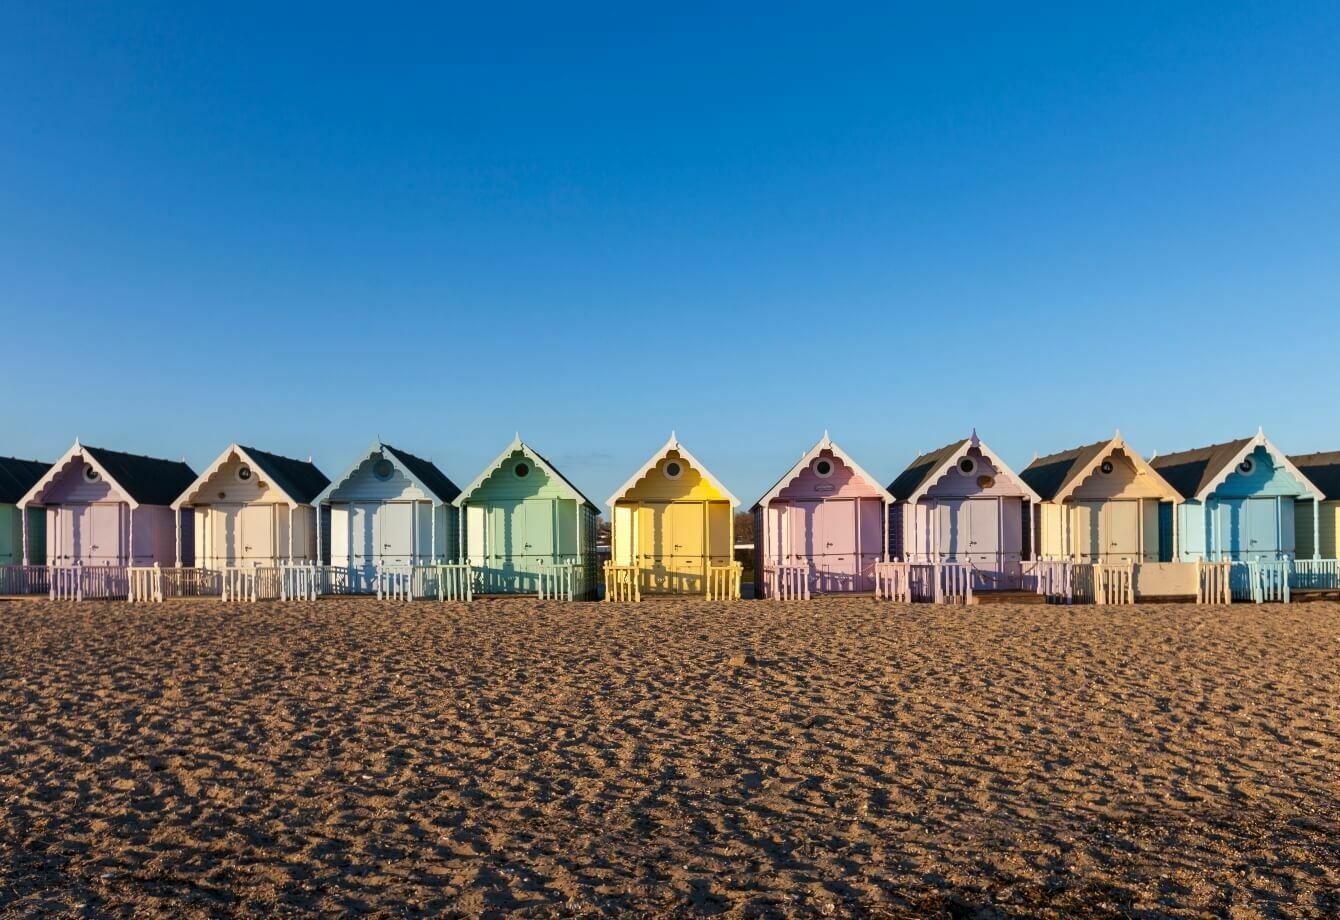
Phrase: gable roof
(673, 445)
(825, 443)
(141, 480)
(421, 472)
(1056, 477)
(1323, 471)
(18, 476)
(519, 445)
(927, 469)
(299, 480)
(1197, 473)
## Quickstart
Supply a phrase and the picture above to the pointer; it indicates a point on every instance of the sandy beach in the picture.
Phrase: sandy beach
(836, 758)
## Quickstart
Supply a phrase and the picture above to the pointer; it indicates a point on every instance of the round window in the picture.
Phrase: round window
(521, 470)
(1247, 466)
(1106, 468)
(673, 470)
(823, 468)
(383, 469)
(244, 473)
(90, 474)
(967, 466)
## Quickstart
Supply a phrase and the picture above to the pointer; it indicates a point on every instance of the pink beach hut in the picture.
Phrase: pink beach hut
(821, 528)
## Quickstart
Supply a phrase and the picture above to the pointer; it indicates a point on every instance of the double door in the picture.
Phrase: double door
(985, 533)
(92, 534)
(380, 533)
(840, 539)
(1255, 528)
(677, 541)
(1105, 531)
(520, 538)
(241, 535)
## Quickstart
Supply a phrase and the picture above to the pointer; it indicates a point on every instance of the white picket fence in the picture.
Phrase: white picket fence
(24, 579)
(623, 583)
(1260, 581)
(1315, 574)
(723, 581)
(1054, 579)
(238, 584)
(924, 582)
(559, 581)
(77, 582)
(1113, 583)
(1213, 584)
(144, 584)
(786, 582)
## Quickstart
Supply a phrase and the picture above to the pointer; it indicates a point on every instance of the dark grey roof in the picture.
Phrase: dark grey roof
(1189, 471)
(922, 468)
(18, 476)
(1048, 475)
(146, 480)
(1322, 470)
(427, 473)
(299, 479)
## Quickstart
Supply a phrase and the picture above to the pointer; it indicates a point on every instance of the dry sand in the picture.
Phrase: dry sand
(678, 758)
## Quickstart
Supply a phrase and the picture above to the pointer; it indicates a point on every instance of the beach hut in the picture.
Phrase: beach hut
(1238, 500)
(1102, 502)
(962, 504)
(820, 528)
(111, 509)
(390, 508)
(520, 518)
(22, 542)
(253, 508)
(1315, 521)
(672, 529)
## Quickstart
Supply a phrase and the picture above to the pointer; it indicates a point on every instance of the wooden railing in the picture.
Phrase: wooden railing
(1113, 583)
(144, 584)
(1315, 574)
(238, 584)
(1213, 583)
(723, 581)
(558, 581)
(78, 581)
(924, 582)
(1054, 579)
(24, 579)
(395, 582)
(298, 581)
(455, 582)
(1260, 581)
(622, 582)
(786, 582)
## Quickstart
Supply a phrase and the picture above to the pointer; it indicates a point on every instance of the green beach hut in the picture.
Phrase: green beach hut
(521, 519)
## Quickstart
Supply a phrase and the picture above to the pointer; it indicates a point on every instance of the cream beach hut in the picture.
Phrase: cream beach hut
(253, 508)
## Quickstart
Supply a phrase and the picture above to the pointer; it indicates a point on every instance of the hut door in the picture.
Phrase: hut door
(870, 531)
(1086, 525)
(74, 523)
(1122, 530)
(258, 544)
(835, 536)
(363, 536)
(538, 533)
(104, 534)
(684, 530)
(951, 528)
(983, 533)
(395, 533)
(1262, 527)
(225, 536)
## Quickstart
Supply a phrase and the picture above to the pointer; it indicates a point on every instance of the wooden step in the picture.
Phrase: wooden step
(1007, 597)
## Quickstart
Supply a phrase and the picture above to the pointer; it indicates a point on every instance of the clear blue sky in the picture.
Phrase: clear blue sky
(304, 226)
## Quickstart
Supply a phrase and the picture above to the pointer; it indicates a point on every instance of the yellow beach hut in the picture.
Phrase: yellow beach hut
(672, 531)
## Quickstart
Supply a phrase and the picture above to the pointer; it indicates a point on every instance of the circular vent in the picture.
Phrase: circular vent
(90, 474)
(383, 469)
(1106, 468)
(823, 468)
(1247, 466)
(521, 470)
(244, 473)
(674, 469)
(967, 466)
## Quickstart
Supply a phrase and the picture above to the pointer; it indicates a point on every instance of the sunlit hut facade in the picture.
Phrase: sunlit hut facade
(672, 521)
(1102, 502)
(22, 542)
(520, 516)
(827, 517)
(253, 508)
(962, 504)
(1238, 500)
(1317, 523)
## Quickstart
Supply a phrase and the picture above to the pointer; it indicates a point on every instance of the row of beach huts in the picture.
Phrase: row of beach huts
(1238, 521)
